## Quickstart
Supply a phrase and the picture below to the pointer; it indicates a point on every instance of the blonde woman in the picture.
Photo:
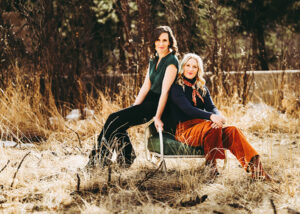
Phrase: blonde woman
(199, 123)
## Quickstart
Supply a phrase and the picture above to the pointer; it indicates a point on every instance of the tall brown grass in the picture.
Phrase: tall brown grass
(47, 180)
(23, 113)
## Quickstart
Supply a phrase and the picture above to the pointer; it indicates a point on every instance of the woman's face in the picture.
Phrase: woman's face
(162, 44)
(190, 69)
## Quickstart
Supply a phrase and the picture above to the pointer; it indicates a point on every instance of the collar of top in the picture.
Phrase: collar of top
(192, 81)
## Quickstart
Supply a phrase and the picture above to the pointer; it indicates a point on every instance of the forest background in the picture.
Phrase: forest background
(71, 47)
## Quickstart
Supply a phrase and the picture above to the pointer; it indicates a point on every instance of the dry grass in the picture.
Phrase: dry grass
(47, 179)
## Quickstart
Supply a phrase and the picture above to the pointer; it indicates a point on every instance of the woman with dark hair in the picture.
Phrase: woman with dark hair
(149, 103)
(199, 123)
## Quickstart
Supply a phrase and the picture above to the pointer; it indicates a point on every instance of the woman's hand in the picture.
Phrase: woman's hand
(218, 121)
(158, 124)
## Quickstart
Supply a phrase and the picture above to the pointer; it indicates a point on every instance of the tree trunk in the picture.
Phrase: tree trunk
(145, 27)
(145, 33)
(122, 7)
(257, 6)
(122, 55)
(259, 50)
(262, 56)
(188, 23)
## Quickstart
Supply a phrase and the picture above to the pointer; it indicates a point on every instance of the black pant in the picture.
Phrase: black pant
(117, 123)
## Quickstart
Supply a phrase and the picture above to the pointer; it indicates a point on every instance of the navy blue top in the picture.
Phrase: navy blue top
(182, 107)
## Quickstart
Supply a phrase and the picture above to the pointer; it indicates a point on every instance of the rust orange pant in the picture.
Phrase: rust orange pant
(199, 132)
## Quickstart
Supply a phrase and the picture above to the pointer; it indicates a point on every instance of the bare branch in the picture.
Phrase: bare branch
(78, 182)
(5, 166)
(149, 175)
(292, 211)
(109, 176)
(12, 183)
(273, 206)
(79, 141)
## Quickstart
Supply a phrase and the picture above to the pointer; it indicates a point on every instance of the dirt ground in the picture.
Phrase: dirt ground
(52, 179)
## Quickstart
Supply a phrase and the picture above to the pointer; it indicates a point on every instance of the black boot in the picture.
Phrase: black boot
(101, 156)
(125, 151)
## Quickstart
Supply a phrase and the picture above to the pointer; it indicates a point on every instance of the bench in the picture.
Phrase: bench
(162, 145)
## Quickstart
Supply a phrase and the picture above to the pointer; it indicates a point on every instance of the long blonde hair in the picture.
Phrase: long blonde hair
(200, 81)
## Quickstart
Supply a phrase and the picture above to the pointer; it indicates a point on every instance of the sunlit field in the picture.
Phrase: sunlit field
(43, 155)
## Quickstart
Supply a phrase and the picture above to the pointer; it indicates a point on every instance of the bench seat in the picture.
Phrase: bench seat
(172, 146)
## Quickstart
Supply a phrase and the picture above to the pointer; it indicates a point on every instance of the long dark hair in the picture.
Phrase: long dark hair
(164, 29)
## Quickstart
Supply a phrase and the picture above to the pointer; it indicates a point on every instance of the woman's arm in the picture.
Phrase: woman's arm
(179, 98)
(168, 80)
(217, 118)
(144, 90)
(209, 104)
(182, 102)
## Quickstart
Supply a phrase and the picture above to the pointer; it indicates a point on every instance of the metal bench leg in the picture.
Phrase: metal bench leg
(161, 144)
